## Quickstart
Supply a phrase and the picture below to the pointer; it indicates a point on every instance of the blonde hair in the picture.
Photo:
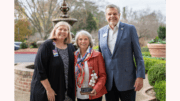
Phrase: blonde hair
(83, 32)
(61, 23)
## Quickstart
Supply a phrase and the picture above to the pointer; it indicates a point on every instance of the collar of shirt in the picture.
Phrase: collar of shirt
(86, 50)
(116, 27)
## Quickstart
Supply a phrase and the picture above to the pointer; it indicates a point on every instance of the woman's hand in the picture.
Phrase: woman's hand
(49, 91)
(51, 94)
(93, 93)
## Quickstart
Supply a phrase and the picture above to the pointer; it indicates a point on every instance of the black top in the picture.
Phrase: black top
(52, 68)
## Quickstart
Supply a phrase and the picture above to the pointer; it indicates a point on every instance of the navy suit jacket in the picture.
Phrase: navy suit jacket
(120, 65)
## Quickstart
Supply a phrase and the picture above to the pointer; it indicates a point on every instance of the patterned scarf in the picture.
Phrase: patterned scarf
(79, 67)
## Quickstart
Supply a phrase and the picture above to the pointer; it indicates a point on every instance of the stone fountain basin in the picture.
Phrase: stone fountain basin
(23, 76)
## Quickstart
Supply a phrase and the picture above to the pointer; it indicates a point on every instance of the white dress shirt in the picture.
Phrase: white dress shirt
(85, 82)
(112, 37)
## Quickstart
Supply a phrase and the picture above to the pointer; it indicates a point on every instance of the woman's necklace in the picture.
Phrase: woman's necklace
(62, 47)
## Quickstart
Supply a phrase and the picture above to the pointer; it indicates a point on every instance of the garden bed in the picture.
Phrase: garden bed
(27, 50)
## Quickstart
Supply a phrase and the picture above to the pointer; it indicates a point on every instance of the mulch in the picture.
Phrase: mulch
(26, 51)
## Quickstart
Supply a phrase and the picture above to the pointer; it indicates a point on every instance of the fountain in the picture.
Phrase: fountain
(64, 8)
(23, 72)
(65, 17)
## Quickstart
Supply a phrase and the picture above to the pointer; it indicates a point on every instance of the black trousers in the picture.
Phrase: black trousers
(114, 94)
(98, 99)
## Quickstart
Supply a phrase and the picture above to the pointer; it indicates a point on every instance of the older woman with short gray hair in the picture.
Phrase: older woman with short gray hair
(86, 33)
(89, 69)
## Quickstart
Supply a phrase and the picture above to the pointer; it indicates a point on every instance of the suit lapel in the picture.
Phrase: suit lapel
(106, 40)
(120, 32)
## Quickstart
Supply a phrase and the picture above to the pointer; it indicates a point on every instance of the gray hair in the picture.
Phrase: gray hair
(86, 33)
(112, 6)
(69, 38)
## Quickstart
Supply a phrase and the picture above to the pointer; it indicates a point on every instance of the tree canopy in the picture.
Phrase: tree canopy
(41, 12)
(89, 13)
(22, 29)
(91, 23)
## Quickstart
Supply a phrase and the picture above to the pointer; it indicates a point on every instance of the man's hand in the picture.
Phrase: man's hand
(93, 93)
(138, 84)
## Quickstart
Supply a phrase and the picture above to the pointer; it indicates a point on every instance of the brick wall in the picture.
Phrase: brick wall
(23, 77)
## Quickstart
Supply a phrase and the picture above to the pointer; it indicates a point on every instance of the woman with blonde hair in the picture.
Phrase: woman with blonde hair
(53, 78)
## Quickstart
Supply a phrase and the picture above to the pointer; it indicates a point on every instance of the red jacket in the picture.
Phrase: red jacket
(96, 62)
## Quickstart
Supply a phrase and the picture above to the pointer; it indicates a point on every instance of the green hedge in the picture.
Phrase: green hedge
(149, 62)
(161, 32)
(156, 69)
(146, 54)
(160, 89)
(144, 49)
(157, 73)
(23, 45)
(33, 45)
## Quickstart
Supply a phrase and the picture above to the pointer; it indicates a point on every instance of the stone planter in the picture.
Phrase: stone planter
(157, 50)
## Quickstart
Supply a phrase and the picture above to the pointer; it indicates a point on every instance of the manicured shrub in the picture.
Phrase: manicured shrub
(24, 45)
(161, 32)
(146, 54)
(160, 89)
(33, 45)
(157, 73)
(157, 58)
(149, 62)
(161, 38)
(160, 58)
(144, 49)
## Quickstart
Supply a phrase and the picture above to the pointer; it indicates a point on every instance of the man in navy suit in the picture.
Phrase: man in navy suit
(119, 43)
